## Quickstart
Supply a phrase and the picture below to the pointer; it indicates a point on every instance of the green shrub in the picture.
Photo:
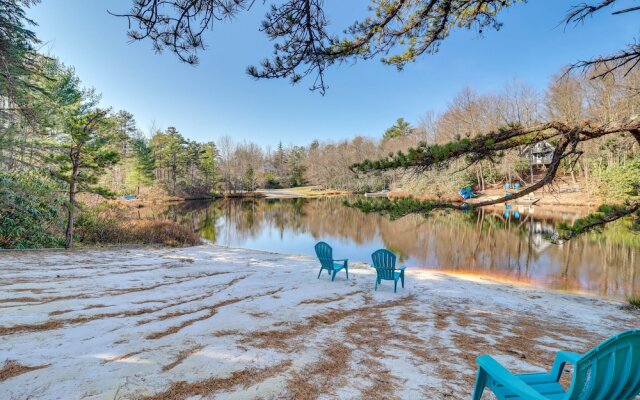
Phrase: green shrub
(31, 212)
(620, 181)
(634, 301)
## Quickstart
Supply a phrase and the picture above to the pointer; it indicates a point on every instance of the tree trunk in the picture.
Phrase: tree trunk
(71, 207)
(173, 177)
(587, 184)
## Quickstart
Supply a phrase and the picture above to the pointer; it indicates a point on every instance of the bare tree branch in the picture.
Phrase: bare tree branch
(578, 13)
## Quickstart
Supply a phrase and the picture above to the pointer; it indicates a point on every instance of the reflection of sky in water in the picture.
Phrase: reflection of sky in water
(487, 244)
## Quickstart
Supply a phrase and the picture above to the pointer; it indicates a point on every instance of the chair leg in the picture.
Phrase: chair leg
(334, 275)
(346, 269)
(377, 281)
(395, 285)
(319, 273)
(481, 380)
(402, 278)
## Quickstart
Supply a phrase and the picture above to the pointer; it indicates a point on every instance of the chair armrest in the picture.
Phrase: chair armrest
(342, 259)
(562, 358)
(502, 376)
(401, 269)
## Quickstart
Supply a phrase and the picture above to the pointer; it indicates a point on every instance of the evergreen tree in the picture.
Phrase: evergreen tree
(208, 164)
(144, 164)
(399, 129)
(169, 149)
(18, 59)
(83, 154)
(249, 180)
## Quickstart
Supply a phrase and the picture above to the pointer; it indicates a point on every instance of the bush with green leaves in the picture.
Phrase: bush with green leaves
(619, 181)
(31, 212)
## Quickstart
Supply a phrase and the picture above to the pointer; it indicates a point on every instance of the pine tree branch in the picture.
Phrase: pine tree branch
(568, 138)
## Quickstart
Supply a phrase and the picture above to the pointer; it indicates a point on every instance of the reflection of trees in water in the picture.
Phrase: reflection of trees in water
(484, 242)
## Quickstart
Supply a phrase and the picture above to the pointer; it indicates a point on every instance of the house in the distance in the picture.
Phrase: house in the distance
(539, 153)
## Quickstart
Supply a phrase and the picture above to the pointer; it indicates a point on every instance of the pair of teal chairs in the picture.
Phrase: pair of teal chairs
(384, 262)
(610, 371)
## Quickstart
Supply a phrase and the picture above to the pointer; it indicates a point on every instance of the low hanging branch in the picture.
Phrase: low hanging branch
(490, 146)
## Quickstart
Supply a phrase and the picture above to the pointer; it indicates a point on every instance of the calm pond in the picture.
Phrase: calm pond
(504, 244)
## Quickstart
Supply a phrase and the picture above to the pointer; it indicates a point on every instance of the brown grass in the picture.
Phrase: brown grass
(107, 229)
(12, 368)
(245, 378)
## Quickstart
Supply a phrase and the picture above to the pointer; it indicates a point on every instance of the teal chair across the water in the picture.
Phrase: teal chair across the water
(325, 255)
(610, 371)
(384, 262)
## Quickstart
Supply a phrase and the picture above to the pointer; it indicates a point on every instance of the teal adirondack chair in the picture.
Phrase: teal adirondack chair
(325, 255)
(610, 371)
(384, 262)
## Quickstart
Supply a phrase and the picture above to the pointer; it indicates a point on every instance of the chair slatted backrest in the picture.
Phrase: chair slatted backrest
(384, 262)
(325, 255)
(609, 371)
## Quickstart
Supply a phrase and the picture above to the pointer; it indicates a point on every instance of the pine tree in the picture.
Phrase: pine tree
(399, 129)
(170, 153)
(144, 164)
(208, 164)
(249, 180)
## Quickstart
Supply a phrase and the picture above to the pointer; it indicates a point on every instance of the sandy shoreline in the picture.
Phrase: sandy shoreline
(214, 322)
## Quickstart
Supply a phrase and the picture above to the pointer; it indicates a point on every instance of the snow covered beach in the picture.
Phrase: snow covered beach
(214, 322)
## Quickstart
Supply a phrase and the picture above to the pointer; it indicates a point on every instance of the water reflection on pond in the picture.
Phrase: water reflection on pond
(504, 243)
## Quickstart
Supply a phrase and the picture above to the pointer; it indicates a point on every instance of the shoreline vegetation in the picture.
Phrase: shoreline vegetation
(296, 192)
(106, 223)
(152, 322)
(560, 198)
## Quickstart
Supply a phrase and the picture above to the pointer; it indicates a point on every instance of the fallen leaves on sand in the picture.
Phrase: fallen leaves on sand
(12, 368)
(245, 378)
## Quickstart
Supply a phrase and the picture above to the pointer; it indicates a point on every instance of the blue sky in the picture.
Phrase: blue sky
(217, 98)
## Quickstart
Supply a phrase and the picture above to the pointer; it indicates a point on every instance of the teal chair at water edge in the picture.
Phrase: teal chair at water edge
(325, 255)
(384, 262)
(610, 371)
